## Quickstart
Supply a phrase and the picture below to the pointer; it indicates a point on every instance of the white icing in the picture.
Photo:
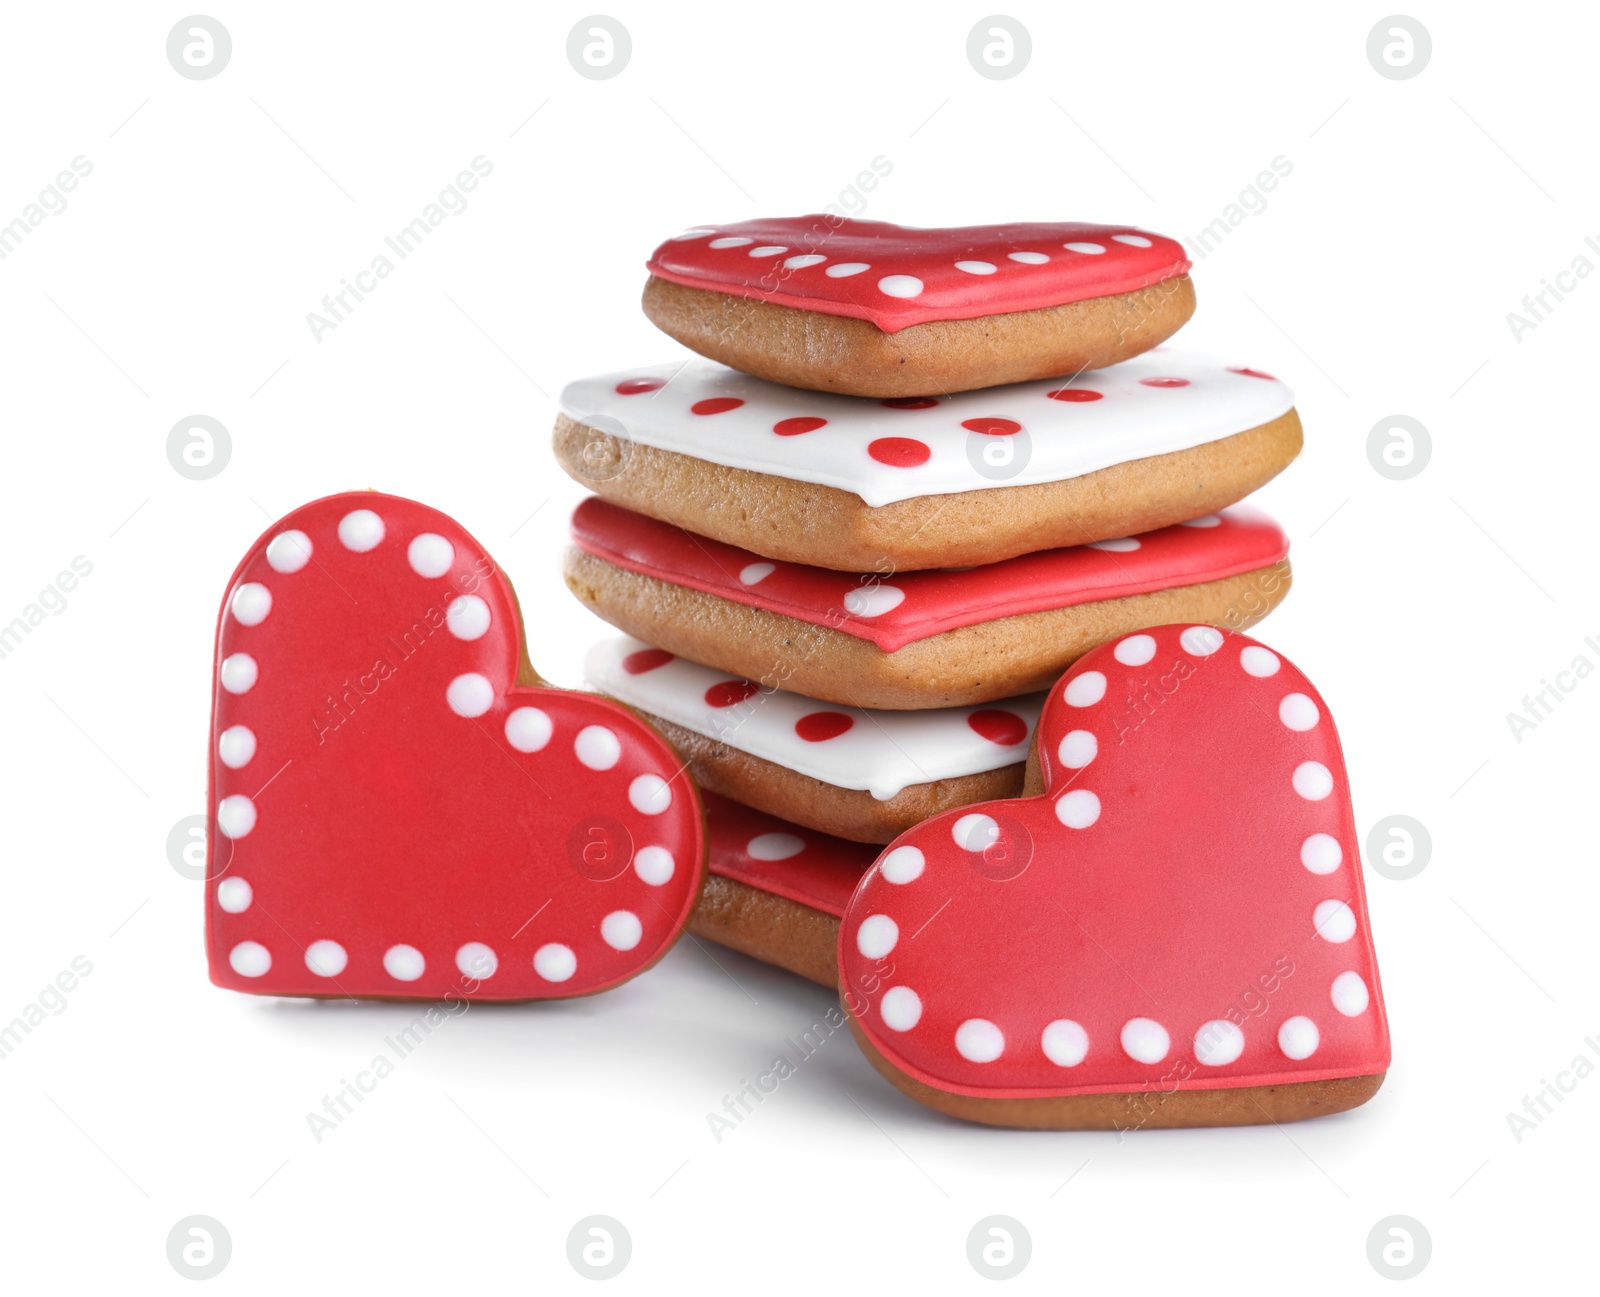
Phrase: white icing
(882, 752)
(1066, 438)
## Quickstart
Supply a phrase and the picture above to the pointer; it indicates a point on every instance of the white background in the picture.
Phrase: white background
(177, 282)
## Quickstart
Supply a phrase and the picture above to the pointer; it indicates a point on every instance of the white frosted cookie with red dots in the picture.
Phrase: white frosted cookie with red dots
(849, 771)
(1170, 930)
(935, 638)
(400, 808)
(868, 308)
(906, 483)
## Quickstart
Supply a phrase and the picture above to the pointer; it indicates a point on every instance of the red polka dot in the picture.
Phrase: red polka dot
(1075, 394)
(730, 692)
(1253, 373)
(1005, 728)
(910, 402)
(794, 427)
(992, 427)
(716, 405)
(899, 452)
(819, 727)
(1164, 382)
(633, 386)
(636, 664)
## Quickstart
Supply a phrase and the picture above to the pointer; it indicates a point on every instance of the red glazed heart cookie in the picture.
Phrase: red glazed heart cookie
(399, 808)
(1173, 933)
(873, 309)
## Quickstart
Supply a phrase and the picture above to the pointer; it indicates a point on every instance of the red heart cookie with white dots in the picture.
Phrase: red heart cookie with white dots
(1173, 933)
(399, 808)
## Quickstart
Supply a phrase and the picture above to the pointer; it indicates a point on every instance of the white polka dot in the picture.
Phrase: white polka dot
(555, 962)
(873, 600)
(1133, 240)
(1078, 749)
(1117, 545)
(430, 555)
(528, 729)
(1085, 690)
(1298, 1038)
(696, 233)
(1299, 713)
(621, 930)
(979, 1041)
(1078, 809)
(1218, 1043)
(251, 603)
(1092, 249)
(1321, 853)
(1135, 651)
(1207, 520)
(467, 617)
(900, 286)
(1312, 780)
(597, 747)
(756, 573)
(1145, 1040)
(1202, 641)
(877, 936)
(802, 262)
(900, 1008)
(768, 250)
(650, 794)
(289, 551)
(775, 846)
(903, 865)
(361, 530)
(1029, 258)
(235, 746)
(326, 958)
(470, 695)
(1064, 1042)
(249, 959)
(1334, 921)
(236, 816)
(403, 963)
(238, 673)
(975, 832)
(477, 961)
(234, 895)
(844, 269)
(730, 241)
(1259, 662)
(977, 267)
(1349, 994)
(654, 865)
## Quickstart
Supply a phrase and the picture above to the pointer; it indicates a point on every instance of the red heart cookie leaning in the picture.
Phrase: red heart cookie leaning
(868, 308)
(400, 808)
(1172, 933)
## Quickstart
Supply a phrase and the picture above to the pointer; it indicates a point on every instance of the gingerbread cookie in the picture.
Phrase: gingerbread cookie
(400, 808)
(935, 638)
(1171, 931)
(854, 773)
(776, 890)
(897, 485)
(872, 309)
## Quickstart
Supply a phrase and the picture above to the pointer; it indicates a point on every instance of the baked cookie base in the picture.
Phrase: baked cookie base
(770, 928)
(837, 353)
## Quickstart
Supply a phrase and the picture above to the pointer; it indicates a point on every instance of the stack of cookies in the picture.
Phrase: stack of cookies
(918, 474)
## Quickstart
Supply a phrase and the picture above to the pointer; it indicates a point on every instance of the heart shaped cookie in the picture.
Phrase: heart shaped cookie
(1173, 932)
(400, 808)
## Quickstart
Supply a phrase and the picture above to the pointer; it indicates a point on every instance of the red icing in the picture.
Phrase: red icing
(731, 692)
(636, 664)
(899, 452)
(383, 817)
(794, 427)
(909, 402)
(819, 727)
(821, 873)
(716, 405)
(1252, 373)
(992, 427)
(1002, 727)
(935, 601)
(1181, 897)
(1165, 382)
(1075, 394)
(929, 257)
(634, 386)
